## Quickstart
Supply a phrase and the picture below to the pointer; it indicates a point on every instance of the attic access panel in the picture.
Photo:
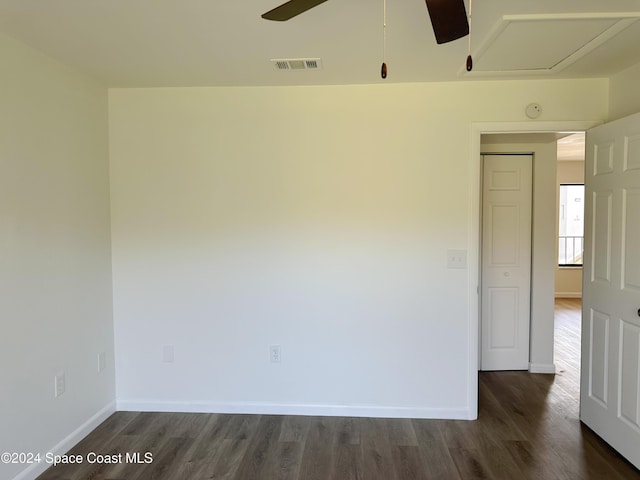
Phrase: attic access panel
(545, 44)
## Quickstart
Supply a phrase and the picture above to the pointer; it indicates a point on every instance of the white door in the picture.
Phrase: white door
(610, 375)
(506, 261)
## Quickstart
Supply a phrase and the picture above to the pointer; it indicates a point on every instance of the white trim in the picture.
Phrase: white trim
(36, 469)
(568, 294)
(256, 408)
(542, 368)
(473, 268)
(480, 128)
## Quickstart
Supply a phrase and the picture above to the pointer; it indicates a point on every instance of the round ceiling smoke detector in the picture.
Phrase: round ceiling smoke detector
(533, 110)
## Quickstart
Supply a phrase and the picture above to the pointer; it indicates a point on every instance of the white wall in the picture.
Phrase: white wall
(543, 147)
(55, 273)
(569, 279)
(317, 218)
(624, 98)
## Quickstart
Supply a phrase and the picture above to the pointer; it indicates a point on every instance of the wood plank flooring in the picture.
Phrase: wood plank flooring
(527, 428)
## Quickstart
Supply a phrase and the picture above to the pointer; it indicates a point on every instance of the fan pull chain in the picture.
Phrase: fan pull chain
(383, 70)
(469, 59)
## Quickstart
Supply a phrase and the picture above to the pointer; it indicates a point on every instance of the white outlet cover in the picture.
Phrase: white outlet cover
(60, 384)
(167, 354)
(457, 259)
(102, 361)
(275, 353)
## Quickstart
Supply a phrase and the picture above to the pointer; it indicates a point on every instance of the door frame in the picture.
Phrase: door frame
(474, 240)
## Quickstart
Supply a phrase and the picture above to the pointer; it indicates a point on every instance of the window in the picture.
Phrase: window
(571, 231)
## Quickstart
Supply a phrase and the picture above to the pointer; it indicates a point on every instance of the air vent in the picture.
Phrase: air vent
(297, 63)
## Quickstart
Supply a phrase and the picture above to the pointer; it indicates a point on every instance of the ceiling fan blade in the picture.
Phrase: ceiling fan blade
(291, 9)
(449, 19)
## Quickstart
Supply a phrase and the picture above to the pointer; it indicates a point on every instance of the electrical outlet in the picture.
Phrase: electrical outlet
(167, 354)
(456, 259)
(102, 361)
(60, 384)
(275, 354)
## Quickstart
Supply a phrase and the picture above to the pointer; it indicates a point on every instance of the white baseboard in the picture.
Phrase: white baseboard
(292, 409)
(568, 294)
(549, 368)
(68, 442)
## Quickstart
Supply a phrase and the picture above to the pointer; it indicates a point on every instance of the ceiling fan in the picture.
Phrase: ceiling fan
(448, 17)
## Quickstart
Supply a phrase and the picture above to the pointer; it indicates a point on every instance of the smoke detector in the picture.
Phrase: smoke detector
(533, 110)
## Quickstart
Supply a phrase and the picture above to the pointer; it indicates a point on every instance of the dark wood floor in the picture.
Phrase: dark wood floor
(527, 428)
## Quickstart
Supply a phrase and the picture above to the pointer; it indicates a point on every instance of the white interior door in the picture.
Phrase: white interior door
(610, 375)
(506, 261)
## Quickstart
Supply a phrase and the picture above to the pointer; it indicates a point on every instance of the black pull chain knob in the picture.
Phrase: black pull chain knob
(639, 312)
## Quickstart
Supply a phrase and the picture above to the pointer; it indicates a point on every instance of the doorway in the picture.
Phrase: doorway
(550, 150)
(541, 344)
(542, 147)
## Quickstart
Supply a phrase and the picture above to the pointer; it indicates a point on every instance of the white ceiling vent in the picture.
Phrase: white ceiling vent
(297, 63)
(547, 43)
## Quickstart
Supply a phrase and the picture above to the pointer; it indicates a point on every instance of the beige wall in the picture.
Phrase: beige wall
(624, 95)
(316, 218)
(55, 259)
(569, 280)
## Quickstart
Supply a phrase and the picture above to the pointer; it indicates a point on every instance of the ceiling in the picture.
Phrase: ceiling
(164, 43)
(570, 145)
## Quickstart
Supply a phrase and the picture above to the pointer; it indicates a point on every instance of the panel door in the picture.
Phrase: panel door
(506, 261)
(610, 372)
